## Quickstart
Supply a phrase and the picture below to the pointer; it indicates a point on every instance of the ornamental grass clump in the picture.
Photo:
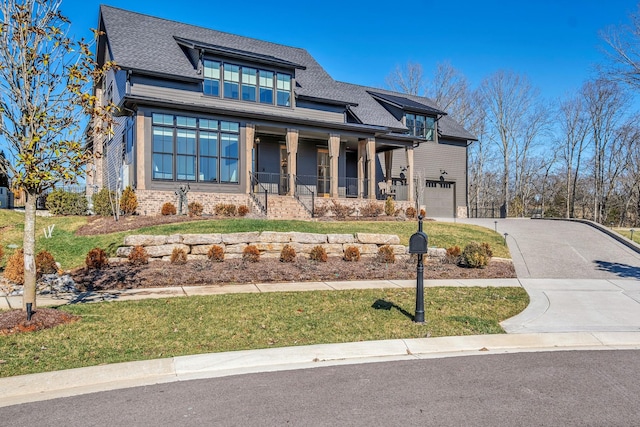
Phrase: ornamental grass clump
(385, 255)
(178, 256)
(318, 253)
(96, 259)
(243, 210)
(251, 254)
(195, 209)
(351, 254)
(216, 253)
(452, 256)
(138, 256)
(288, 254)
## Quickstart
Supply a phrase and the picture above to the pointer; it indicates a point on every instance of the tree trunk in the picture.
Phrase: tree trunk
(29, 293)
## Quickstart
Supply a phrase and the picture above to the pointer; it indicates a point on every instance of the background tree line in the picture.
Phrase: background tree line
(577, 156)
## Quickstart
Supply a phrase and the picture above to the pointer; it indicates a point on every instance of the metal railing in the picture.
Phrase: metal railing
(305, 193)
(259, 193)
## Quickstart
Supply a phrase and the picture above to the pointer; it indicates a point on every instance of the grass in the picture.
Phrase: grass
(126, 331)
(626, 232)
(70, 250)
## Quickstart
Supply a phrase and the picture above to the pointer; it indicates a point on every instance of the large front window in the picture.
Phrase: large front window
(195, 149)
(250, 84)
(420, 126)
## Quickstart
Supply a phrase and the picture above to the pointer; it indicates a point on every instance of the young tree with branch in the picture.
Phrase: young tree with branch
(45, 98)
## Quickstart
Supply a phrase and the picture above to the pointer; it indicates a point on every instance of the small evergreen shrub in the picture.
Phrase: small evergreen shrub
(371, 209)
(410, 212)
(243, 210)
(351, 254)
(453, 255)
(216, 253)
(251, 254)
(318, 254)
(224, 209)
(1, 253)
(128, 201)
(389, 206)
(320, 210)
(487, 249)
(341, 211)
(60, 202)
(138, 256)
(14, 270)
(288, 254)
(178, 256)
(96, 259)
(474, 255)
(423, 213)
(45, 263)
(102, 202)
(168, 209)
(195, 209)
(385, 255)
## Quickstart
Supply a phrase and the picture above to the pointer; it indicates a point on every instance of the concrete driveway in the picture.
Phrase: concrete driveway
(578, 278)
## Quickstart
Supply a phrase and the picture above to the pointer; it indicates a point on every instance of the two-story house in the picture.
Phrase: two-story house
(245, 121)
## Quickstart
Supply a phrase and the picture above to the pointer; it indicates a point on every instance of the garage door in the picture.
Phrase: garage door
(439, 199)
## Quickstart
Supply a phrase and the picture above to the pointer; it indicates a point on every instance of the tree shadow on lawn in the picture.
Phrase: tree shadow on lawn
(622, 270)
(381, 304)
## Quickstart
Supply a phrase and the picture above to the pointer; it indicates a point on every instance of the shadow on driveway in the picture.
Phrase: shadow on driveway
(622, 270)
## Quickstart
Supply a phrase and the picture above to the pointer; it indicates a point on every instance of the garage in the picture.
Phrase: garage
(440, 199)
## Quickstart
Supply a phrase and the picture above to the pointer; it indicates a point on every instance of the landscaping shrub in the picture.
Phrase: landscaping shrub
(251, 254)
(45, 263)
(1, 253)
(195, 209)
(216, 253)
(243, 210)
(320, 210)
(475, 255)
(371, 209)
(288, 254)
(60, 202)
(138, 256)
(128, 201)
(385, 255)
(487, 249)
(14, 270)
(410, 212)
(341, 211)
(168, 209)
(389, 206)
(102, 202)
(351, 253)
(453, 255)
(318, 254)
(178, 256)
(224, 209)
(96, 259)
(423, 213)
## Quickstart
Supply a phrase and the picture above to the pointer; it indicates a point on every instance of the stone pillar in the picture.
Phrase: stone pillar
(249, 138)
(410, 184)
(334, 153)
(141, 156)
(388, 163)
(371, 166)
(361, 162)
(292, 158)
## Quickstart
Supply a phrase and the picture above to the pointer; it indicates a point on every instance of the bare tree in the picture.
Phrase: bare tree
(45, 92)
(508, 98)
(407, 79)
(623, 49)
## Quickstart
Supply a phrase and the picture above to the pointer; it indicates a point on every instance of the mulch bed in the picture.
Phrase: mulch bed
(15, 321)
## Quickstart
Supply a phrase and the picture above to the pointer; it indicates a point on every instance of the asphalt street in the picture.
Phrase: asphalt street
(575, 388)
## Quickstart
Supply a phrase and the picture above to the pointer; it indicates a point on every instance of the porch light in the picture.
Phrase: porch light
(257, 140)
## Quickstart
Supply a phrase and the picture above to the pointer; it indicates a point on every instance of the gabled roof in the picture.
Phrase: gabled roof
(406, 103)
(152, 45)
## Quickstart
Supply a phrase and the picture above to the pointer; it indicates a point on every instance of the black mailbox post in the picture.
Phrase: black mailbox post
(418, 244)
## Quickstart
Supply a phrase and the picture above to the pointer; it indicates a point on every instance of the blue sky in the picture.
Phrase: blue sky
(554, 42)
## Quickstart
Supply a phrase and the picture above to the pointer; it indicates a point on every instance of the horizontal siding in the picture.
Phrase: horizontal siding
(191, 94)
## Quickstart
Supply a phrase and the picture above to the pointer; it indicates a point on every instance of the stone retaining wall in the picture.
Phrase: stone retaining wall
(269, 243)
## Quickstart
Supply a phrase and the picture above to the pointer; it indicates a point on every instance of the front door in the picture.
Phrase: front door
(324, 179)
(283, 188)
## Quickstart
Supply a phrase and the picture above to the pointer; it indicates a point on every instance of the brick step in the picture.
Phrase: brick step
(285, 207)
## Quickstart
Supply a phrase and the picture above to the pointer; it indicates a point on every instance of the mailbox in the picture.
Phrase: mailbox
(418, 243)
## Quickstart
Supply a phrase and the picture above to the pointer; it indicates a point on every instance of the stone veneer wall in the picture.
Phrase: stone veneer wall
(150, 201)
(269, 243)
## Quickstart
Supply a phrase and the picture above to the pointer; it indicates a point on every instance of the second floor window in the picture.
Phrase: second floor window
(250, 84)
(420, 126)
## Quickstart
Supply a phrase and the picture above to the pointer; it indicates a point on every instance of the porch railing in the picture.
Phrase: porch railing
(259, 193)
(305, 192)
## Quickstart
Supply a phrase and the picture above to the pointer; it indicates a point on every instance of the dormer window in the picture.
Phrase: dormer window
(232, 81)
(420, 126)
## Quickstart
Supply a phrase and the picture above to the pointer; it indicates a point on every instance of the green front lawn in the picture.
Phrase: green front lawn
(126, 331)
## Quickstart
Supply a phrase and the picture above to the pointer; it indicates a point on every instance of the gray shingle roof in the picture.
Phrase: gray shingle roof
(146, 43)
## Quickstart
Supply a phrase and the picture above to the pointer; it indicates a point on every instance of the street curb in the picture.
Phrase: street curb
(72, 382)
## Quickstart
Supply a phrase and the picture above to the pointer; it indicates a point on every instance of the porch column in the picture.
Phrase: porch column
(361, 160)
(371, 166)
(388, 163)
(410, 184)
(334, 152)
(292, 158)
(249, 138)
